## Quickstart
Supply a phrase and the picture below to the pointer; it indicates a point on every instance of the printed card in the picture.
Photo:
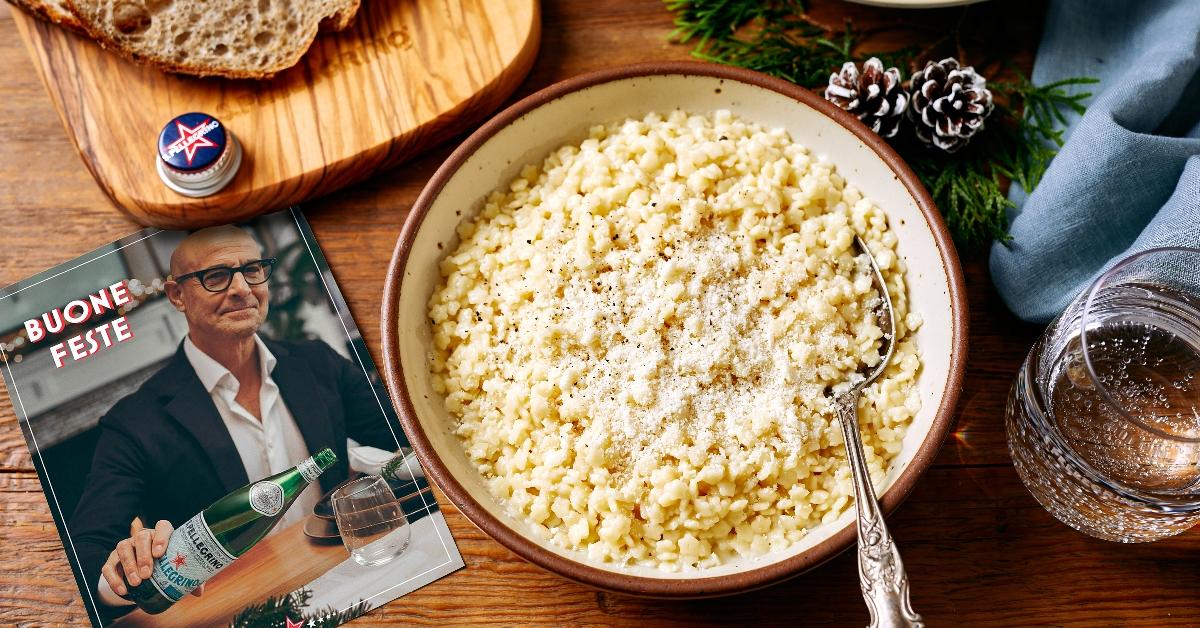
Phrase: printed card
(213, 438)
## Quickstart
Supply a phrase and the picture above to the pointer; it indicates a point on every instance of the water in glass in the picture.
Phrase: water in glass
(1104, 418)
(372, 525)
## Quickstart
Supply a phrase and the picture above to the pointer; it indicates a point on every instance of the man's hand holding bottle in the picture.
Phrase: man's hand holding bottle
(132, 561)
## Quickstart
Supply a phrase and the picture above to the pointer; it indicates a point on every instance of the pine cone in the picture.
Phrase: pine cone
(876, 96)
(949, 104)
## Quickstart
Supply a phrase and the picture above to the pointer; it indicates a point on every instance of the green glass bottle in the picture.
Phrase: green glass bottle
(228, 528)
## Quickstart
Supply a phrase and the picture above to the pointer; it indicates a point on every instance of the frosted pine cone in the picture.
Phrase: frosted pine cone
(876, 96)
(949, 104)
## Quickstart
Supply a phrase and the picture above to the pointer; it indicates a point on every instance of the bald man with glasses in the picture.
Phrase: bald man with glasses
(227, 409)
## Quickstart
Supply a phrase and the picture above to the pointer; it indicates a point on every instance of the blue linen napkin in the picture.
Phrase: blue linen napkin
(1128, 177)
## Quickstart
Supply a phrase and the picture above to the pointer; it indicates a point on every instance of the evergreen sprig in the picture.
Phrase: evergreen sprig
(780, 41)
(276, 611)
(1017, 144)
(969, 193)
(1040, 133)
(393, 466)
(787, 47)
(718, 19)
(968, 186)
(273, 611)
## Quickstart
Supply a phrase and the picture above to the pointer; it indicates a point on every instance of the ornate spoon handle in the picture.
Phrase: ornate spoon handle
(880, 570)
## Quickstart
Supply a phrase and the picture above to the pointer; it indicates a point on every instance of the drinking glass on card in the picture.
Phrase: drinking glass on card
(1104, 418)
(372, 525)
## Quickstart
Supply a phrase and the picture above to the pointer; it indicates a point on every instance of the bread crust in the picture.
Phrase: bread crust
(341, 20)
(338, 20)
(48, 12)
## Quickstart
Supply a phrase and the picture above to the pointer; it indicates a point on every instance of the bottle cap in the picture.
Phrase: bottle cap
(197, 155)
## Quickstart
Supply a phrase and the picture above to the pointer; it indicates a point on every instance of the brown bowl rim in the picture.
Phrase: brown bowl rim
(639, 585)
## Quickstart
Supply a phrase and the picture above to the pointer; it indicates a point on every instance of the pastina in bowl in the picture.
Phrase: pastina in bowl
(615, 314)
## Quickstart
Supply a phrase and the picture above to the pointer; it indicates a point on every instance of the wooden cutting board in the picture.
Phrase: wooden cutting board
(408, 74)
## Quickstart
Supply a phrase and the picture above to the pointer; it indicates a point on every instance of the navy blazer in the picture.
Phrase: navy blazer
(165, 453)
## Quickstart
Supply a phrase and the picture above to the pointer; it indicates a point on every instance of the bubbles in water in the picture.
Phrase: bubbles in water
(1072, 444)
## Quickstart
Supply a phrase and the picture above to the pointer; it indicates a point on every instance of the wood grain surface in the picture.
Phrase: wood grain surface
(406, 75)
(277, 565)
(979, 549)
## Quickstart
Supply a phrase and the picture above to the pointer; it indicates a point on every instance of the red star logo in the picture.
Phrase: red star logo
(179, 560)
(294, 624)
(190, 140)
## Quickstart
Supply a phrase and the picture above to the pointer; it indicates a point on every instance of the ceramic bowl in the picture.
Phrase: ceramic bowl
(561, 114)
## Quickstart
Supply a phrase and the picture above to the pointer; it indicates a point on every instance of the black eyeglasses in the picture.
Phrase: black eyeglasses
(218, 278)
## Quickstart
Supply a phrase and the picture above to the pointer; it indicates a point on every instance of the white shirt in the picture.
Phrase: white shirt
(266, 446)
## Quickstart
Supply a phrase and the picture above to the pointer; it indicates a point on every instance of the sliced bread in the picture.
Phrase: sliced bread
(53, 11)
(231, 38)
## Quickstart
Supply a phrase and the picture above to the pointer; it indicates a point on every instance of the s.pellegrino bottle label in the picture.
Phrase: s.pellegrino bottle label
(310, 469)
(266, 498)
(193, 555)
(215, 537)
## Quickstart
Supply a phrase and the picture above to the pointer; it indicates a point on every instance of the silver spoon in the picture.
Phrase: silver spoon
(880, 570)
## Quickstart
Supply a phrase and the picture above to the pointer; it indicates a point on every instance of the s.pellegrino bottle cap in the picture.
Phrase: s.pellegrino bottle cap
(197, 155)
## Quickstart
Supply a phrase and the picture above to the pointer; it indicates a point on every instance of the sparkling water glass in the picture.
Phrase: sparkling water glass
(1104, 418)
(369, 519)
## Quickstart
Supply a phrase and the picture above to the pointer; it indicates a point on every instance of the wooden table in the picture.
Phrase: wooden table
(979, 549)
